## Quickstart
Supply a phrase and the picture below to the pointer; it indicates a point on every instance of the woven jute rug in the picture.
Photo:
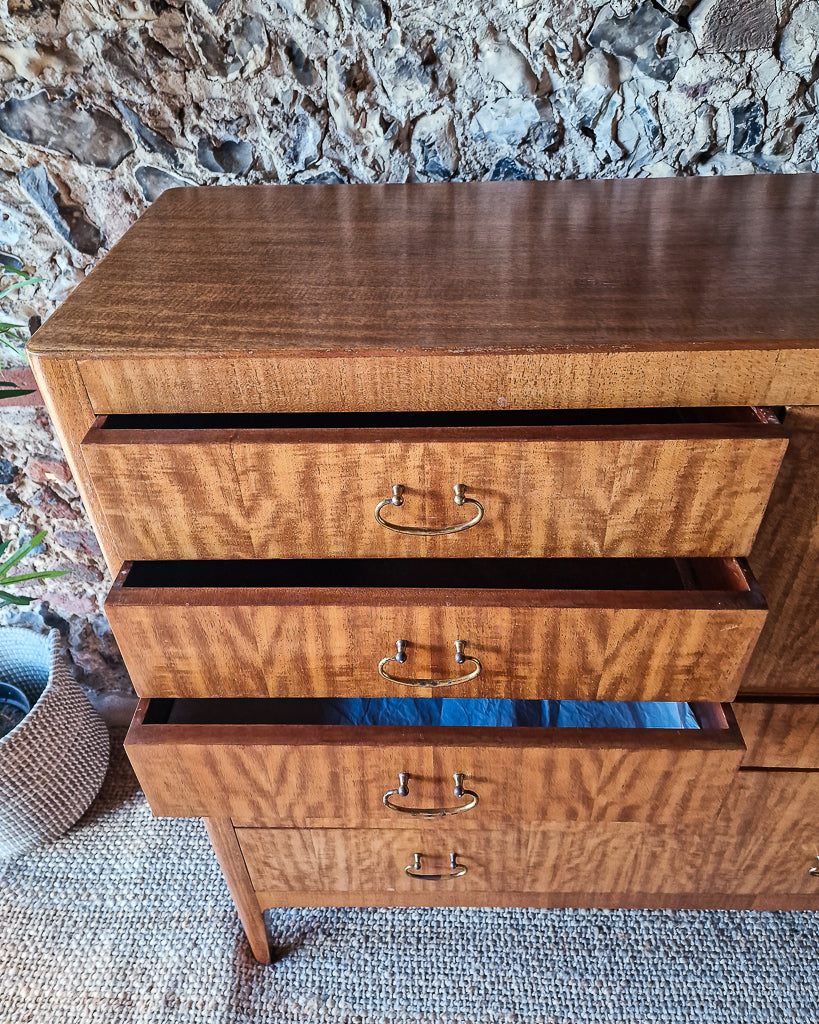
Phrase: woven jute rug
(127, 919)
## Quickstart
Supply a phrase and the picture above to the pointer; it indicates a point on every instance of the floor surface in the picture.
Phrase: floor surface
(127, 919)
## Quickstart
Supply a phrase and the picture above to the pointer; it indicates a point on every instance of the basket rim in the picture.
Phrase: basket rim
(52, 640)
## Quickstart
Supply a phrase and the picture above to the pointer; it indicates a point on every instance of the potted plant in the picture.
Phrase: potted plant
(53, 744)
(10, 335)
(53, 756)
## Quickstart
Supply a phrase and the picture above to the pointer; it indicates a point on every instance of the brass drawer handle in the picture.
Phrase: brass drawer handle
(400, 657)
(414, 869)
(431, 812)
(422, 531)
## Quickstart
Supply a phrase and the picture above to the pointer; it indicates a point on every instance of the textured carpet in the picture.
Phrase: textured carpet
(127, 919)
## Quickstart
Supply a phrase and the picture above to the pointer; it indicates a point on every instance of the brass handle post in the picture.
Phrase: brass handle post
(456, 870)
(431, 812)
(397, 499)
(400, 657)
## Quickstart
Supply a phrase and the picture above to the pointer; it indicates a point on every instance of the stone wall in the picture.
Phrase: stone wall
(103, 105)
(37, 493)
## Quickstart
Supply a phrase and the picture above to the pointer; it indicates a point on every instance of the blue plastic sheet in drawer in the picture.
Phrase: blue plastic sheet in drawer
(563, 713)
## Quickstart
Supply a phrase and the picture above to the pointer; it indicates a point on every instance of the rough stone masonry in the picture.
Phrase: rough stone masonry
(104, 104)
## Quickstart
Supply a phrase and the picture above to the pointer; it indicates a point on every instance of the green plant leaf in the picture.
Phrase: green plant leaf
(6, 269)
(20, 553)
(5, 340)
(10, 390)
(44, 575)
(19, 284)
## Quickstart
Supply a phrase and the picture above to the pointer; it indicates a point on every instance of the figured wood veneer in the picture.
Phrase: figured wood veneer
(498, 266)
(307, 641)
(65, 395)
(755, 854)
(450, 297)
(336, 775)
(565, 857)
(226, 847)
(780, 734)
(535, 379)
(785, 557)
(766, 838)
(686, 490)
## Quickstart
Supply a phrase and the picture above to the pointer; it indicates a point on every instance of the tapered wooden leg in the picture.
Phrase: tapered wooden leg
(226, 846)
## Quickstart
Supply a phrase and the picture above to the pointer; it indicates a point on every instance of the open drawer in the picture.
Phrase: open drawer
(270, 762)
(617, 482)
(579, 629)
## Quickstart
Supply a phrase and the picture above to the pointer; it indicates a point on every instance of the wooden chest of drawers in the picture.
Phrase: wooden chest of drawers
(506, 441)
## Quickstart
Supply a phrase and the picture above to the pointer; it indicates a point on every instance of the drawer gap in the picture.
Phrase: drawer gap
(309, 711)
(527, 574)
(414, 420)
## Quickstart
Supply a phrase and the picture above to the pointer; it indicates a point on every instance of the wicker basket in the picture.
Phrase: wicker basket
(53, 763)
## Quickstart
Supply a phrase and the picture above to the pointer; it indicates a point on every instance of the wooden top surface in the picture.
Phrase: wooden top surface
(457, 267)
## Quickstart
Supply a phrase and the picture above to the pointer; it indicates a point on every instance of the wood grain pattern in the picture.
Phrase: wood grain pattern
(766, 837)
(302, 641)
(168, 501)
(458, 267)
(185, 494)
(337, 775)
(786, 559)
(779, 734)
(590, 899)
(352, 382)
(435, 298)
(569, 857)
(67, 402)
(756, 854)
(226, 847)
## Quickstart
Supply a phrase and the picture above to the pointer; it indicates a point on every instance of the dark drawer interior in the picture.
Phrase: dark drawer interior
(541, 574)
(446, 712)
(741, 415)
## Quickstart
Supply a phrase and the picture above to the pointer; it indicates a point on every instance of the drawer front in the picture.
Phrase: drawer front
(785, 557)
(317, 775)
(779, 734)
(602, 376)
(759, 853)
(371, 864)
(766, 837)
(291, 640)
(651, 490)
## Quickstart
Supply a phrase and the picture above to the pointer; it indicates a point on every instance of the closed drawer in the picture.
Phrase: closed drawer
(554, 484)
(267, 763)
(584, 629)
(779, 733)
(762, 852)
(544, 862)
(766, 837)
